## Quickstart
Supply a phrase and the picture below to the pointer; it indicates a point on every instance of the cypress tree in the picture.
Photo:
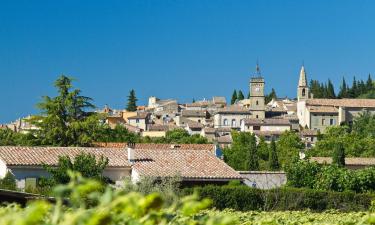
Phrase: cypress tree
(253, 161)
(132, 102)
(273, 160)
(343, 93)
(248, 95)
(330, 90)
(369, 84)
(240, 95)
(354, 89)
(234, 97)
(339, 155)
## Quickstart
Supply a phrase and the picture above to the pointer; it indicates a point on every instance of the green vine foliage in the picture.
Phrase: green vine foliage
(90, 203)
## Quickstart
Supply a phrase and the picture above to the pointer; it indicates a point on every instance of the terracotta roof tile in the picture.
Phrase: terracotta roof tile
(15, 155)
(324, 109)
(268, 121)
(152, 146)
(342, 102)
(188, 164)
(348, 161)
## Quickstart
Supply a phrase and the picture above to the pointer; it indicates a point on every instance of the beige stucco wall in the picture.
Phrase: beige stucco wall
(140, 123)
(219, 120)
(317, 122)
(153, 133)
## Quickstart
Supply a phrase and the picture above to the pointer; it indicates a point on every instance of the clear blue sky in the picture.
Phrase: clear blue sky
(176, 49)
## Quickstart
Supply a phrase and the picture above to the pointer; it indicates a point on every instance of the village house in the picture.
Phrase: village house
(194, 166)
(350, 163)
(231, 117)
(141, 120)
(318, 114)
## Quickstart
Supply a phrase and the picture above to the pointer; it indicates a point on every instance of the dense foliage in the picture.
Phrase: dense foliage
(246, 154)
(358, 140)
(87, 203)
(177, 136)
(297, 217)
(242, 155)
(244, 198)
(359, 89)
(84, 163)
(8, 182)
(330, 177)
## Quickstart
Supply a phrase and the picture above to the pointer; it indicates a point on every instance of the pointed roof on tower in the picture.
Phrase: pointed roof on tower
(302, 78)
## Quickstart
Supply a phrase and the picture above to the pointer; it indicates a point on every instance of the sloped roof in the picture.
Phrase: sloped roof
(234, 110)
(188, 164)
(194, 113)
(36, 156)
(153, 146)
(323, 109)
(359, 103)
(140, 115)
(348, 161)
(268, 122)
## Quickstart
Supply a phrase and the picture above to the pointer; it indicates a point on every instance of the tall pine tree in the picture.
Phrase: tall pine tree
(132, 102)
(273, 161)
(253, 161)
(343, 93)
(240, 95)
(339, 155)
(330, 90)
(234, 97)
(369, 84)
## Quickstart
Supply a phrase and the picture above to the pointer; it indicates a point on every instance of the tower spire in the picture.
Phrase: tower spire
(302, 77)
(257, 70)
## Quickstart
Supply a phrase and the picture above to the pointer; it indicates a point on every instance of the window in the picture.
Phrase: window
(234, 124)
(137, 120)
(199, 121)
(257, 102)
(303, 92)
(332, 122)
(256, 116)
(241, 122)
(323, 121)
(225, 122)
(256, 127)
(30, 183)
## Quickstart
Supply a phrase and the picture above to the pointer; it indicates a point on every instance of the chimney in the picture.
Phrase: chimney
(131, 152)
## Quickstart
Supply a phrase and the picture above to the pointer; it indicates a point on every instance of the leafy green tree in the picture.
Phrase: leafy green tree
(263, 150)
(84, 163)
(240, 95)
(339, 155)
(132, 102)
(8, 182)
(273, 160)
(270, 96)
(369, 83)
(289, 146)
(62, 114)
(242, 155)
(253, 153)
(234, 97)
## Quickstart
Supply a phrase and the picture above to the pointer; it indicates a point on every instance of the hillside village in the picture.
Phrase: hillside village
(215, 120)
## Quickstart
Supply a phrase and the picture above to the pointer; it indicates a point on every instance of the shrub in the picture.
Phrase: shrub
(244, 198)
(8, 182)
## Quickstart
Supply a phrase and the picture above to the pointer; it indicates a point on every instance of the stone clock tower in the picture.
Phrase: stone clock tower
(257, 101)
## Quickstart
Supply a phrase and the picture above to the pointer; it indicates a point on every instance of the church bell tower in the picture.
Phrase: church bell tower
(303, 92)
(257, 99)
